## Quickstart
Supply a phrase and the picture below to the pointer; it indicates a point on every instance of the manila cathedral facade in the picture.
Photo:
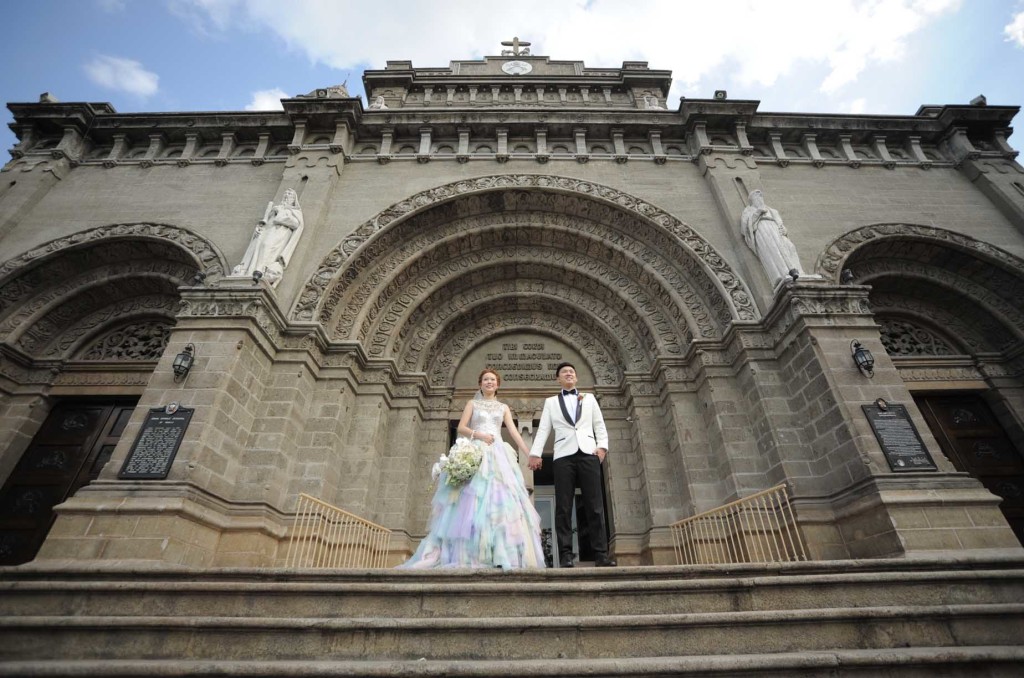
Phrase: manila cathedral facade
(306, 297)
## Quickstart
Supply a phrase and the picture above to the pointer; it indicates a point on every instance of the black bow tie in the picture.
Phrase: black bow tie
(572, 392)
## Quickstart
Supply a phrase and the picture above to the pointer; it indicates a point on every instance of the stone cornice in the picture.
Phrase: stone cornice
(955, 132)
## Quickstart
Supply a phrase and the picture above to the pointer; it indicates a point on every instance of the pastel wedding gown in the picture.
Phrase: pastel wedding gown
(489, 521)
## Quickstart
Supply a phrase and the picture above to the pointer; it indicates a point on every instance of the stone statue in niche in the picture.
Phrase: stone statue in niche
(274, 241)
(378, 104)
(765, 234)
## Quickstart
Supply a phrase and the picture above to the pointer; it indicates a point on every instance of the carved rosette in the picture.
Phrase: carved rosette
(133, 341)
(903, 338)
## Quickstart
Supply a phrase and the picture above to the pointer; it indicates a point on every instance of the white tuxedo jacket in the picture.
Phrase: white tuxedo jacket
(587, 434)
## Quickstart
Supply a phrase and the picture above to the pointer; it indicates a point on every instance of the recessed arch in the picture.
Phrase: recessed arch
(972, 288)
(67, 292)
(438, 353)
(707, 270)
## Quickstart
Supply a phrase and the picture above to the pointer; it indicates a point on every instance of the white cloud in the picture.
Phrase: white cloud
(858, 106)
(267, 100)
(1014, 31)
(747, 41)
(125, 75)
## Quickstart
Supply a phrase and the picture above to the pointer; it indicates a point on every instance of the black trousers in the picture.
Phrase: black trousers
(583, 470)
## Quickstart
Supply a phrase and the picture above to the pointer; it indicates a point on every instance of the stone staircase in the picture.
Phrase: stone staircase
(942, 616)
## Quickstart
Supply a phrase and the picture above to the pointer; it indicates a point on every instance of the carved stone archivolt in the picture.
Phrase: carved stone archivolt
(70, 292)
(208, 259)
(908, 324)
(844, 250)
(975, 301)
(60, 333)
(569, 209)
(931, 277)
(633, 335)
(629, 310)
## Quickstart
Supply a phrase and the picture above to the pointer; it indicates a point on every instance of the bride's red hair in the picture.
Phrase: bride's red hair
(488, 370)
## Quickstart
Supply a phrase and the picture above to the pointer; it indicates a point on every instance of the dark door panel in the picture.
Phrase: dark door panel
(69, 451)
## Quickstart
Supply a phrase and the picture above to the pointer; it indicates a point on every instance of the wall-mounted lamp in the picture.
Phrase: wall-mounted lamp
(183, 362)
(862, 358)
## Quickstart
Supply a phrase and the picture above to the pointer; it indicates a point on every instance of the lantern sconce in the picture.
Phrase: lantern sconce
(862, 358)
(183, 362)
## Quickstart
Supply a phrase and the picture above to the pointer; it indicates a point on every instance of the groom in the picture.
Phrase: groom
(581, 443)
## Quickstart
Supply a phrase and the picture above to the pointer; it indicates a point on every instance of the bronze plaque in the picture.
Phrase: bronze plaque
(153, 450)
(896, 433)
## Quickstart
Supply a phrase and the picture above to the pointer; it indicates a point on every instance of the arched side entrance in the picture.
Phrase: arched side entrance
(618, 281)
(83, 321)
(950, 318)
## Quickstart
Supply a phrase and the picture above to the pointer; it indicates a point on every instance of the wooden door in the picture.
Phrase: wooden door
(972, 438)
(69, 451)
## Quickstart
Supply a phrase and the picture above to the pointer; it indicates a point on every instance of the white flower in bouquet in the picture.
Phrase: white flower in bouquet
(462, 462)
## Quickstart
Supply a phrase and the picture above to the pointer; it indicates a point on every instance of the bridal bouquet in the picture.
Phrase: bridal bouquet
(460, 464)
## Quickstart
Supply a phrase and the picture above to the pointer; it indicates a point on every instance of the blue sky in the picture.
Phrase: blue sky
(842, 56)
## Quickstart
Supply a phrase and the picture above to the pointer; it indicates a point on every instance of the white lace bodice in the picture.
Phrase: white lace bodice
(487, 417)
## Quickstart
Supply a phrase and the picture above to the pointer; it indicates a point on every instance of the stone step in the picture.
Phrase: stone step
(919, 662)
(510, 639)
(508, 595)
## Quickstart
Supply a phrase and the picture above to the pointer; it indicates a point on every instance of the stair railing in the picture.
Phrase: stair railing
(325, 536)
(760, 528)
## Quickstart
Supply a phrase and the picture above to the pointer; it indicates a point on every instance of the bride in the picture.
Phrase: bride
(489, 521)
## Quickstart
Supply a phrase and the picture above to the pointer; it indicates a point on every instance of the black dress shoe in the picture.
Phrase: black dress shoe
(605, 562)
(567, 563)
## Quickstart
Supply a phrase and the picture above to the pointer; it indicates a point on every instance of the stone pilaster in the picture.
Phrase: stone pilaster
(848, 498)
(218, 503)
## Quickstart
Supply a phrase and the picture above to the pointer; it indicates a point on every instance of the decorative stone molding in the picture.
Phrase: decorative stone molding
(832, 260)
(209, 260)
(815, 302)
(715, 275)
(450, 282)
(959, 318)
(904, 338)
(983, 310)
(26, 296)
(114, 377)
(629, 265)
(915, 371)
(57, 341)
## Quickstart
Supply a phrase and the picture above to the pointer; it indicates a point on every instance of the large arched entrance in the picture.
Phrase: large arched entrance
(950, 317)
(529, 266)
(83, 321)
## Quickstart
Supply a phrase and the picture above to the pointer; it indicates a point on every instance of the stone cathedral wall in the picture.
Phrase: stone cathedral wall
(343, 380)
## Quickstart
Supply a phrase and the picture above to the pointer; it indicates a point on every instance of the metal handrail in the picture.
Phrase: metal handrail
(325, 536)
(759, 528)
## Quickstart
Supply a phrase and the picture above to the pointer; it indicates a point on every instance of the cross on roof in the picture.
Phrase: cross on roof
(515, 44)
